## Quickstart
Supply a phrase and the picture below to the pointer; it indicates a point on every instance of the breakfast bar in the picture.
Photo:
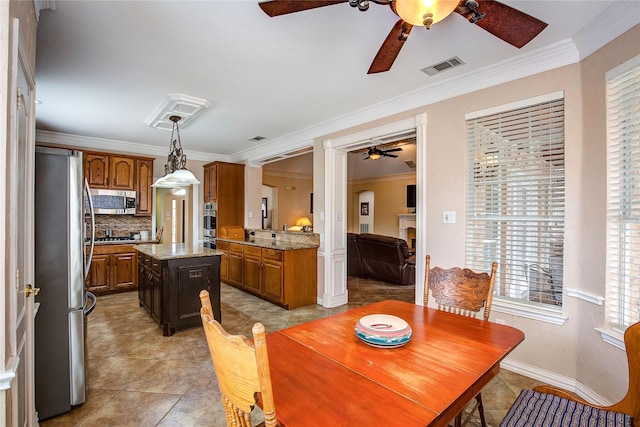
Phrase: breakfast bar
(171, 276)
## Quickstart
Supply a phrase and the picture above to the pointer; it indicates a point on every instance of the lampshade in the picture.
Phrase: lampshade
(182, 176)
(424, 12)
(302, 221)
(374, 156)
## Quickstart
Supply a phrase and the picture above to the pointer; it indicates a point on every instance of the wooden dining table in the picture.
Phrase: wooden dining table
(324, 375)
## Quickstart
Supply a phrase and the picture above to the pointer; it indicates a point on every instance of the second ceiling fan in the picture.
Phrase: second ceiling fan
(374, 153)
(508, 24)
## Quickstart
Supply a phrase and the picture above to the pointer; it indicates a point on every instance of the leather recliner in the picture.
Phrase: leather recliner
(381, 257)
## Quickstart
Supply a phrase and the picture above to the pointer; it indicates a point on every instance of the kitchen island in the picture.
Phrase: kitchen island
(170, 278)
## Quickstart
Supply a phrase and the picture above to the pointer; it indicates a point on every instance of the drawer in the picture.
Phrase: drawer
(273, 254)
(147, 260)
(223, 246)
(252, 250)
(156, 265)
(235, 247)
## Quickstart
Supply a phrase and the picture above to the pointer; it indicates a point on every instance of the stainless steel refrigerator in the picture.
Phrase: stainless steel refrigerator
(60, 266)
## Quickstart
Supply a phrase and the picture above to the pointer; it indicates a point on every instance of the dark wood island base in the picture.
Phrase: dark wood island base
(170, 278)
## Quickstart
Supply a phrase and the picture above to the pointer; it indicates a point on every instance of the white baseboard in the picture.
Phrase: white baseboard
(556, 380)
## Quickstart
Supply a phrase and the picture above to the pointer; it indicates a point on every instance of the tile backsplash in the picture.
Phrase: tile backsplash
(122, 225)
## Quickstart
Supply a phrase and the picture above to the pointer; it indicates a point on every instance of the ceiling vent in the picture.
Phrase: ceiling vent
(176, 104)
(258, 138)
(410, 164)
(442, 66)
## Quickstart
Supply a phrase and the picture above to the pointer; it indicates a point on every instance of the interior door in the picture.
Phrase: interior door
(19, 312)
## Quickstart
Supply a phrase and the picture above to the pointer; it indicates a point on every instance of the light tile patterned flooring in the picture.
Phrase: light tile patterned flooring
(137, 377)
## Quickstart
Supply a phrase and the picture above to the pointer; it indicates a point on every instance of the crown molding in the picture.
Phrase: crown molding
(386, 178)
(620, 17)
(110, 145)
(544, 59)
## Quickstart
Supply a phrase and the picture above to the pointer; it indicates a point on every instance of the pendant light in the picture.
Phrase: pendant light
(176, 173)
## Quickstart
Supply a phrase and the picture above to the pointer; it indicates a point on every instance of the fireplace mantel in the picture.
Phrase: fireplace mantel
(406, 221)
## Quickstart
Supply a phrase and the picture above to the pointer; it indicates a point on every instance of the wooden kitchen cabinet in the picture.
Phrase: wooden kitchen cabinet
(285, 277)
(119, 172)
(97, 280)
(96, 170)
(224, 260)
(144, 179)
(224, 186)
(252, 269)
(122, 173)
(113, 269)
(273, 275)
(235, 276)
(109, 171)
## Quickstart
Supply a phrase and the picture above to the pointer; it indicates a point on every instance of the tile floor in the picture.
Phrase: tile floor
(137, 377)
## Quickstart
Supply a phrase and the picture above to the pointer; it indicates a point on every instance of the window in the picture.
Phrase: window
(515, 198)
(623, 195)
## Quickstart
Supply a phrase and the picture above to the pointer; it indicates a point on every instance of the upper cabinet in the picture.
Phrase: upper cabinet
(109, 171)
(119, 172)
(144, 174)
(224, 185)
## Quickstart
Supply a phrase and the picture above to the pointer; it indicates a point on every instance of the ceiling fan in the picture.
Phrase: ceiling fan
(374, 153)
(508, 24)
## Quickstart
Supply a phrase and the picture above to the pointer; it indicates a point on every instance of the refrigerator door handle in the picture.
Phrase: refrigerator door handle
(89, 258)
(89, 296)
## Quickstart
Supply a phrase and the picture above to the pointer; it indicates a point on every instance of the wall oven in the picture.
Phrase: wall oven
(209, 226)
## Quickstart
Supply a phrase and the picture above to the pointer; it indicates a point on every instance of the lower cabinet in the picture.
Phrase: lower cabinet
(285, 277)
(113, 269)
(169, 289)
(235, 276)
(224, 261)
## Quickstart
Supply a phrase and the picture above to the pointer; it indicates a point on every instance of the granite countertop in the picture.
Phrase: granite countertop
(175, 251)
(272, 244)
(122, 242)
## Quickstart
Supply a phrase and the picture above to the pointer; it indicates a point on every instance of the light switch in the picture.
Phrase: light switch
(449, 217)
(250, 214)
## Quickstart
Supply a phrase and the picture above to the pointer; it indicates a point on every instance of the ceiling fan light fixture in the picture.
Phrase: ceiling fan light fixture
(424, 12)
(374, 156)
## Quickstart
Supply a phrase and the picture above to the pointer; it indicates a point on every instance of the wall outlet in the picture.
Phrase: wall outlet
(449, 217)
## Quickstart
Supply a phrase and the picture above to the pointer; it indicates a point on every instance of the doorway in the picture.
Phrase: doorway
(333, 259)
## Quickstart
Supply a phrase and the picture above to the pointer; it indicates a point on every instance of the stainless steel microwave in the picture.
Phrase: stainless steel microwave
(114, 202)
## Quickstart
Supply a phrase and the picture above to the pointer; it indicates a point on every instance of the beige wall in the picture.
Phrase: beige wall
(293, 196)
(390, 200)
(575, 349)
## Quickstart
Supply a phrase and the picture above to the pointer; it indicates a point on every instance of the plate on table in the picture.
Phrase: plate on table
(383, 330)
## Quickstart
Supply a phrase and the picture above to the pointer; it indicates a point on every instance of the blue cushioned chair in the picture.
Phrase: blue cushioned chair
(546, 406)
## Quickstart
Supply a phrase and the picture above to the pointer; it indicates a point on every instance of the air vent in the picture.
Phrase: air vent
(258, 138)
(410, 164)
(443, 66)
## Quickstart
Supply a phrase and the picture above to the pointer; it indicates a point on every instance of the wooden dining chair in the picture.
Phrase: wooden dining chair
(242, 369)
(464, 292)
(547, 406)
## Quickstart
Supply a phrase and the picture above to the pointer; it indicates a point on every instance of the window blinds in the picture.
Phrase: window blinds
(515, 200)
(623, 195)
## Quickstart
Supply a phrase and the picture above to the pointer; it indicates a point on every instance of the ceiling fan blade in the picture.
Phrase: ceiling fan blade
(389, 155)
(509, 24)
(390, 48)
(392, 150)
(283, 7)
(366, 158)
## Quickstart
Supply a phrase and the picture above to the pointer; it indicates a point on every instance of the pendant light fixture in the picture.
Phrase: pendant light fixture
(175, 170)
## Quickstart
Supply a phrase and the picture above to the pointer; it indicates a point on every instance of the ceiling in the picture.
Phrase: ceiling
(104, 67)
